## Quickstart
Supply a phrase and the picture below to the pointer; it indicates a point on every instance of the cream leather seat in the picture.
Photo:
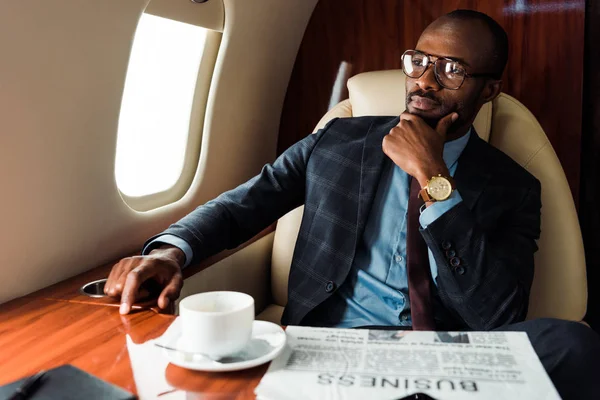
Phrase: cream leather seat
(560, 285)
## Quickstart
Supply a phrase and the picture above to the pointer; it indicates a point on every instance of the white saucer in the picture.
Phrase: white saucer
(267, 342)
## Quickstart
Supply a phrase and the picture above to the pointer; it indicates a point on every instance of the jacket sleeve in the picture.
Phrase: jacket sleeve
(237, 215)
(485, 276)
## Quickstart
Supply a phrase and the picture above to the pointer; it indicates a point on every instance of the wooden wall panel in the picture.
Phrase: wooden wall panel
(545, 69)
(589, 211)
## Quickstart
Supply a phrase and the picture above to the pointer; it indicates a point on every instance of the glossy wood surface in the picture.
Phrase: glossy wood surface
(545, 69)
(58, 325)
(44, 334)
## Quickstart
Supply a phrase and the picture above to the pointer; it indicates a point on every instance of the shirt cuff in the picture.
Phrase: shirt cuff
(173, 240)
(433, 267)
(439, 208)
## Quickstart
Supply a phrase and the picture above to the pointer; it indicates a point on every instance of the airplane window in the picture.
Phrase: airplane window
(157, 104)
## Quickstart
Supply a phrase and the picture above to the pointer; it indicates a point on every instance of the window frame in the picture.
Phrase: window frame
(195, 133)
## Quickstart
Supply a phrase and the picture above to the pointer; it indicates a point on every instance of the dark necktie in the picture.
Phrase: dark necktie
(419, 275)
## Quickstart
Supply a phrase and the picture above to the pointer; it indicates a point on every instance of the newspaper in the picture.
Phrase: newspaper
(322, 363)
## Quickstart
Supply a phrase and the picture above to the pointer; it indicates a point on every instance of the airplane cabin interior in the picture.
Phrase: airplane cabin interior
(213, 199)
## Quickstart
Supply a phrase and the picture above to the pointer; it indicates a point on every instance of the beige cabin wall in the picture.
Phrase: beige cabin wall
(62, 72)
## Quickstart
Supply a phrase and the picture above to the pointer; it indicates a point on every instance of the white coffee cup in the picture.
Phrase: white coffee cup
(216, 324)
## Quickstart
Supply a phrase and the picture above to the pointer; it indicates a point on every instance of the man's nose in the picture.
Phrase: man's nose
(427, 81)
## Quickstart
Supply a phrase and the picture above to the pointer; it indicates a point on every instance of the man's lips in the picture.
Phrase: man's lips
(423, 103)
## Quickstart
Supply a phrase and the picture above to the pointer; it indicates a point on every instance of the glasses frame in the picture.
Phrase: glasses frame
(433, 60)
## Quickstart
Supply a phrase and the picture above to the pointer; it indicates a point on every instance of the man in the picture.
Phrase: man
(370, 252)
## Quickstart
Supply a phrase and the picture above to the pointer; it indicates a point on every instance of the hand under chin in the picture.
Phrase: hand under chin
(431, 118)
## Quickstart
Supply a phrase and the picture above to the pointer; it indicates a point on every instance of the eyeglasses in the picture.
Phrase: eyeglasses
(449, 73)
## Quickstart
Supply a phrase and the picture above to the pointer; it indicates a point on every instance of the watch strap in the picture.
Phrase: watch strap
(424, 194)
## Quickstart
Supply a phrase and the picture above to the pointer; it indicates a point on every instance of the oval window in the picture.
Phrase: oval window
(154, 121)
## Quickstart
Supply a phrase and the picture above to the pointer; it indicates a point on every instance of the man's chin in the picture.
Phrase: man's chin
(431, 118)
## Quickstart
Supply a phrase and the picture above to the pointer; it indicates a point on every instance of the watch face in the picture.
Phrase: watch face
(439, 188)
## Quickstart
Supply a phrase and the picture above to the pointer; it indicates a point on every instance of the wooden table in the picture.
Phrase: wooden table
(57, 326)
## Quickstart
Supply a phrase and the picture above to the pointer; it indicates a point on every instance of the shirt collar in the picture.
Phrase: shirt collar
(454, 148)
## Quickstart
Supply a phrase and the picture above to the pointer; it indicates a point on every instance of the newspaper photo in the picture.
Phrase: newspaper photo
(322, 363)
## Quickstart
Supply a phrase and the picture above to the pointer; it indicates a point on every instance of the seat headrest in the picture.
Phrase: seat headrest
(383, 93)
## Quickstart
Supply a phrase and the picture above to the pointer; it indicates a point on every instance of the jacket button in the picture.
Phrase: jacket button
(330, 287)
(455, 261)
(460, 270)
(446, 245)
(450, 253)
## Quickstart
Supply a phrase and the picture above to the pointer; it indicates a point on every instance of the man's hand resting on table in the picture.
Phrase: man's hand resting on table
(162, 265)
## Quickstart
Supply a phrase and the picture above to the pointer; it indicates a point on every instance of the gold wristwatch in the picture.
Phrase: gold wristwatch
(438, 188)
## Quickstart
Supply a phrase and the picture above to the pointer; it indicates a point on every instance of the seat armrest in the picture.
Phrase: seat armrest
(245, 269)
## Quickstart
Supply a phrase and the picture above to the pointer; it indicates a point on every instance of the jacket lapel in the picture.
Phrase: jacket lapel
(373, 160)
(472, 173)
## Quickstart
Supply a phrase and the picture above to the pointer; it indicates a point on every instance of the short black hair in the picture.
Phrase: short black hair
(500, 50)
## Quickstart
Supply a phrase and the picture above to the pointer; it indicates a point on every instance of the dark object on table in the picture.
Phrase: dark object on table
(28, 387)
(67, 383)
(417, 396)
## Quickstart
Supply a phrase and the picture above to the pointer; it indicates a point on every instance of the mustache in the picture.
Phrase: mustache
(424, 94)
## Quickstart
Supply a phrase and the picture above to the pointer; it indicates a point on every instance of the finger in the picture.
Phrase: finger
(115, 272)
(444, 124)
(406, 116)
(171, 291)
(118, 276)
(395, 131)
(133, 281)
(119, 282)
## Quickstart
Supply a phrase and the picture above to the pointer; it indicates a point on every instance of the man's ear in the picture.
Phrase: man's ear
(491, 90)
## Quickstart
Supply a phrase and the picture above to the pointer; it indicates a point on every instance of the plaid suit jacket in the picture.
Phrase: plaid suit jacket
(483, 247)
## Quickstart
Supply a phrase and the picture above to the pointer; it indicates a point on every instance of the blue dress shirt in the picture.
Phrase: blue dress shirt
(376, 290)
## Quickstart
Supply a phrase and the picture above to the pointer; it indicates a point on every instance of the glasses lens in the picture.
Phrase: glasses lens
(414, 63)
(450, 74)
